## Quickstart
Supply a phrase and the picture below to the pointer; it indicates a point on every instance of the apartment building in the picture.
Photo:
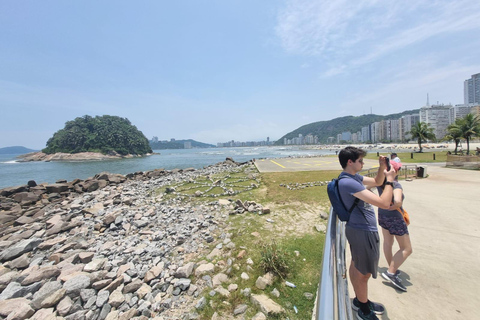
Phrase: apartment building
(471, 90)
(406, 124)
(438, 116)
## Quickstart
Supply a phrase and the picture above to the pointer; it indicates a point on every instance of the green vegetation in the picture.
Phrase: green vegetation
(105, 134)
(422, 132)
(465, 128)
(406, 157)
(290, 247)
(325, 129)
(274, 259)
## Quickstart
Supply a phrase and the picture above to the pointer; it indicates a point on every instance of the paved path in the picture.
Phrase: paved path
(304, 164)
(442, 275)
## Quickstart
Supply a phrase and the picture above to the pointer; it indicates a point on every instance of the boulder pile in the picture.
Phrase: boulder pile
(113, 247)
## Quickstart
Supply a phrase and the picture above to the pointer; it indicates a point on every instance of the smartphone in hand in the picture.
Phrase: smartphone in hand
(387, 161)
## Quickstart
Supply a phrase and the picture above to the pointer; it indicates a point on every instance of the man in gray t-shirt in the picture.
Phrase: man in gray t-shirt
(361, 229)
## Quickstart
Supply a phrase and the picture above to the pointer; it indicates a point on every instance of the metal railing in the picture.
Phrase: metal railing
(407, 172)
(333, 301)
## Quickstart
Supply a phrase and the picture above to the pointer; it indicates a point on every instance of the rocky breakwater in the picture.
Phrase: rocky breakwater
(81, 156)
(109, 247)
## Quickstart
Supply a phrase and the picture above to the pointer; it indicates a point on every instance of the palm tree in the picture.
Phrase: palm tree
(469, 127)
(454, 133)
(422, 132)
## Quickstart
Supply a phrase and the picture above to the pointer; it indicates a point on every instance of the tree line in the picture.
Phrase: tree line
(464, 128)
(105, 134)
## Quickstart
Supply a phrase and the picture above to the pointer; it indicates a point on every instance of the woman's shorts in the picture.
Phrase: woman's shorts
(364, 246)
(394, 223)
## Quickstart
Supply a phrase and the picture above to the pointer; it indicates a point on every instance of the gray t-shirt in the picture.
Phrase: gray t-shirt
(363, 215)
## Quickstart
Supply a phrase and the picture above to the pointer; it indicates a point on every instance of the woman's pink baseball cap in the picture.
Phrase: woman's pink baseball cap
(396, 165)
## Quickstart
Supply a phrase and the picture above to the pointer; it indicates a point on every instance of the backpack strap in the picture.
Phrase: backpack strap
(355, 203)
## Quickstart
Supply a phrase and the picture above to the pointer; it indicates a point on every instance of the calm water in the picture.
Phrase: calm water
(17, 173)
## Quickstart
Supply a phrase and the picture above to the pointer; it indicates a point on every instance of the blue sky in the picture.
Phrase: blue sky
(223, 70)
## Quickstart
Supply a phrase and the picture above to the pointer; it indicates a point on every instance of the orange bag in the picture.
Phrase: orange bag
(405, 215)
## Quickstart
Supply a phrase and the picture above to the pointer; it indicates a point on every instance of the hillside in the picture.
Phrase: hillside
(178, 144)
(105, 134)
(15, 150)
(330, 128)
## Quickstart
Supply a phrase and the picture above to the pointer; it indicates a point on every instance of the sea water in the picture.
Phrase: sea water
(13, 173)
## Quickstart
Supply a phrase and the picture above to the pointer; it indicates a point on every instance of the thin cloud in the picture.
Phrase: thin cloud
(341, 31)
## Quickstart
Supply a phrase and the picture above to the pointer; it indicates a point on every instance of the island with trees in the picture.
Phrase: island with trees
(93, 138)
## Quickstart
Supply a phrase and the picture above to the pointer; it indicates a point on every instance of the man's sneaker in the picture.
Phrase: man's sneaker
(370, 316)
(377, 308)
(397, 273)
(394, 280)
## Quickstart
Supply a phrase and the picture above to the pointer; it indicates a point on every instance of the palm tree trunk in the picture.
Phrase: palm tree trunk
(468, 146)
(456, 146)
(420, 144)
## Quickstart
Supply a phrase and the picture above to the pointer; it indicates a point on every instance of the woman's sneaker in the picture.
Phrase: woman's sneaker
(377, 308)
(394, 280)
(370, 316)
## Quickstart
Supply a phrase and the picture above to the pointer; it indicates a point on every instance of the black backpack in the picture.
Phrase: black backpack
(336, 200)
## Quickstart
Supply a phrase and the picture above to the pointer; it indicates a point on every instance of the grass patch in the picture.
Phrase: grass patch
(406, 157)
(310, 195)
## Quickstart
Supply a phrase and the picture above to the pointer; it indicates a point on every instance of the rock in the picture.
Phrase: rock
(85, 257)
(244, 276)
(15, 290)
(45, 291)
(43, 273)
(21, 262)
(201, 303)
(185, 271)
(44, 314)
(18, 308)
(53, 299)
(204, 269)
(240, 309)
(57, 187)
(153, 273)
(94, 265)
(102, 298)
(76, 283)
(64, 306)
(116, 299)
(183, 284)
(266, 305)
(19, 248)
(259, 316)
(218, 279)
(133, 286)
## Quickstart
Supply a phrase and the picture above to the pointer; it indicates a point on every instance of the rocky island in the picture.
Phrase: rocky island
(93, 138)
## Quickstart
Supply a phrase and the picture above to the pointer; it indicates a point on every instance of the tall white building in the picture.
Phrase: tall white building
(459, 111)
(406, 124)
(438, 116)
(471, 90)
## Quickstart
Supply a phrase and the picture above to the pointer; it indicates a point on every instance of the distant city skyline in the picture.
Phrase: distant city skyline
(217, 71)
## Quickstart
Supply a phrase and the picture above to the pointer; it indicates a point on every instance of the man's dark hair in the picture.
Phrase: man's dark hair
(393, 154)
(350, 153)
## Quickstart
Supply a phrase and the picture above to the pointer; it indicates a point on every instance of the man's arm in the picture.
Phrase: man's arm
(379, 178)
(385, 199)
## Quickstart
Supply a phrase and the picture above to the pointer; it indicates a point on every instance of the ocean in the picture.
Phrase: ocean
(14, 173)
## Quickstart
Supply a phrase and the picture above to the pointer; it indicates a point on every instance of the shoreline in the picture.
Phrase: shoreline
(72, 157)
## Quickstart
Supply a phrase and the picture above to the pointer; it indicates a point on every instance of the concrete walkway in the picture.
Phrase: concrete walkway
(442, 275)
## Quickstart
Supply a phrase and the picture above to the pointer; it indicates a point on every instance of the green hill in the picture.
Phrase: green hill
(178, 144)
(105, 134)
(330, 128)
(15, 150)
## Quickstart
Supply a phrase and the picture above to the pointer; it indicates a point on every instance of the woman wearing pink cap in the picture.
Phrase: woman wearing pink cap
(394, 227)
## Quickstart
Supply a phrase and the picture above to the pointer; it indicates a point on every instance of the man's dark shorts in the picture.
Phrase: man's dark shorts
(365, 249)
